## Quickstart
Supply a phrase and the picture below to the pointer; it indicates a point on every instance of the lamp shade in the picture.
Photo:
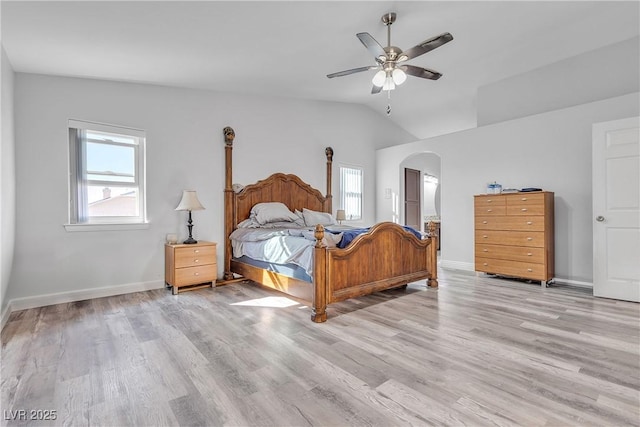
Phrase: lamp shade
(340, 215)
(189, 202)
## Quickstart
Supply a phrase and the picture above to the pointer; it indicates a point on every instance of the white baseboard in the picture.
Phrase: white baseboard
(457, 265)
(5, 315)
(17, 304)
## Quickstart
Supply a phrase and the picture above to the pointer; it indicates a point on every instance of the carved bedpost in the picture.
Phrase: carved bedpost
(432, 262)
(229, 209)
(329, 153)
(319, 314)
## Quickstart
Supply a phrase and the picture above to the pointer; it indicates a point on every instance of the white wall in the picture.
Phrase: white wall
(185, 149)
(7, 177)
(598, 74)
(551, 151)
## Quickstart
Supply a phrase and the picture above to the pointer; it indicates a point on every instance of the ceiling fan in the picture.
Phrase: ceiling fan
(390, 60)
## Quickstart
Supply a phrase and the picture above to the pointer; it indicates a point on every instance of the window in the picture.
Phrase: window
(106, 170)
(351, 185)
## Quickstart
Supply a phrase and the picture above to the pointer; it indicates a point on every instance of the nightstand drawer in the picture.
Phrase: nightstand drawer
(190, 257)
(195, 275)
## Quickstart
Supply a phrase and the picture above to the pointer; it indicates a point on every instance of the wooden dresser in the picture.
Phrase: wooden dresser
(189, 265)
(514, 235)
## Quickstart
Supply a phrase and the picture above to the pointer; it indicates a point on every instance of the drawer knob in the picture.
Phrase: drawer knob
(484, 222)
(196, 274)
(524, 199)
(529, 270)
(488, 210)
(529, 222)
(485, 263)
(529, 254)
(489, 201)
(197, 251)
(196, 260)
(529, 238)
(485, 236)
(523, 209)
(485, 250)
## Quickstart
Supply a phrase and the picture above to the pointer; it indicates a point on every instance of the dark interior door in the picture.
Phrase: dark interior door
(412, 190)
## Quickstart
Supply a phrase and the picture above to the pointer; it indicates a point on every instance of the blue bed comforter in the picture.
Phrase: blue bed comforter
(350, 234)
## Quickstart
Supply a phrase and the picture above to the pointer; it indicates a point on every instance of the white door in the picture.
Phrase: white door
(616, 209)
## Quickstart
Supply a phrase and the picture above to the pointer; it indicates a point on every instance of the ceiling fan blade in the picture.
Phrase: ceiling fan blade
(351, 71)
(420, 72)
(372, 46)
(426, 46)
(375, 89)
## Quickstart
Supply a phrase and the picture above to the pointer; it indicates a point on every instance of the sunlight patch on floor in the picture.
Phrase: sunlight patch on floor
(274, 302)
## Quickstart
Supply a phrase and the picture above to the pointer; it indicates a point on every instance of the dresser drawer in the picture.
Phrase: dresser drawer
(200, 255)
(516, 223)
(530, 209)
(511, 238)
(521, 199)
(195, 275)
(489, 200)
(514, 253)
(511, 268)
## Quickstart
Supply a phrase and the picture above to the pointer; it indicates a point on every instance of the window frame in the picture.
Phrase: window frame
(342, 195)
(78, 186)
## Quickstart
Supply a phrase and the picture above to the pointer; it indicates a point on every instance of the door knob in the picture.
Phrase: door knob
(599, 218)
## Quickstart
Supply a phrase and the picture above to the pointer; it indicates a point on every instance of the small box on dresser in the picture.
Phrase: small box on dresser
(514, 235)
(186, 266)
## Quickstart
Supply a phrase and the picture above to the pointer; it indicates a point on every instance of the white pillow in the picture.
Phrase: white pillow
(313, 218)
(265, 213)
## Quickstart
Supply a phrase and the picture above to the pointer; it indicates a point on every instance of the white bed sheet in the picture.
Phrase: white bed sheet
(278, 245)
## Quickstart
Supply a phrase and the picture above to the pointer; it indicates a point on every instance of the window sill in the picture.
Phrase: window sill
(106, 227)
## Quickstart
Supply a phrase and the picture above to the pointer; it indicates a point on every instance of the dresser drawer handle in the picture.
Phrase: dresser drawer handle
(524, 199)
(485, 236)
(485, 264)
(529, 222)
(529, 254)
(485, 250)
(197, 251)
(196, 274)
(529, 270)
(196, 260)
(529, 238)
(523, 209)
(484, 222)
(489, 201)
(488, 210)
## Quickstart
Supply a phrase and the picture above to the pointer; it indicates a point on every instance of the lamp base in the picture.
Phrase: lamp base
(190, 241)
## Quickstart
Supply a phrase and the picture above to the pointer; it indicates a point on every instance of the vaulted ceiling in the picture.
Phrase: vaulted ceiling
(287, 48)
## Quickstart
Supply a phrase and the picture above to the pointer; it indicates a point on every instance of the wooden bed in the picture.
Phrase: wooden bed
(385, 257)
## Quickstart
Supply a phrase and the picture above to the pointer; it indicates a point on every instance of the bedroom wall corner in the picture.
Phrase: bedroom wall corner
(7, 180)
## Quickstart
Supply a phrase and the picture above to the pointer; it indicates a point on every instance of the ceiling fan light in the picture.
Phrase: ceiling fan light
(388, 83)
(379, 78)
(399, 76)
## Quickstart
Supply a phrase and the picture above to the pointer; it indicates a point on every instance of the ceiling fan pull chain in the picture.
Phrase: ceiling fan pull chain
(389, 104)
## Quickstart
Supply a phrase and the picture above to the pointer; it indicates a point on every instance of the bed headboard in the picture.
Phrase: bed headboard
(279, 187)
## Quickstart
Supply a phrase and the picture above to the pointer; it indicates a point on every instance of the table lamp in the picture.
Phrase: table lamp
(340, 216)
(189, 203)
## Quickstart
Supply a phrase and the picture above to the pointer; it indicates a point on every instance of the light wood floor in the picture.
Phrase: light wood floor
(476, 351)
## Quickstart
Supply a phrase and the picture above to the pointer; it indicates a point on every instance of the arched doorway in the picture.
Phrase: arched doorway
(429, 181)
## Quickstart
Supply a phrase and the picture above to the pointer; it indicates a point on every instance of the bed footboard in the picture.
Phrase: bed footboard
(385, 257)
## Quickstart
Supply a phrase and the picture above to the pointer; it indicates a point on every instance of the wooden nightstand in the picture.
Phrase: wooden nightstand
(189, 267)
